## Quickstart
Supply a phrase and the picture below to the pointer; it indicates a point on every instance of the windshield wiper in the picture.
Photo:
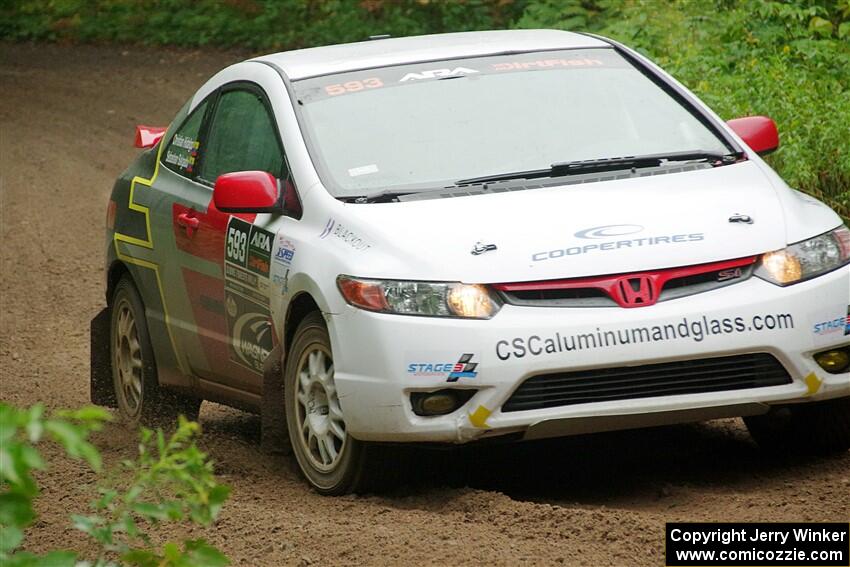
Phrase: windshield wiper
(606, 164)
(384, 196)
(561, 169)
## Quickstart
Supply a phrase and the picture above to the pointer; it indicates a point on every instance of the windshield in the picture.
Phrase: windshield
(429, 125)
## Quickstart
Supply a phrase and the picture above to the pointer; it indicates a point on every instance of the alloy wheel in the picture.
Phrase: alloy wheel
(128, 358)
(319, 416)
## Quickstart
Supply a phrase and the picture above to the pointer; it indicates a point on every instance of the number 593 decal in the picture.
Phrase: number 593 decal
(237, 241)
(248, 246)
(353, 86)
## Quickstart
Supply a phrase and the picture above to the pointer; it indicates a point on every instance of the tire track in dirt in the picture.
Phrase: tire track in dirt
(66, 125)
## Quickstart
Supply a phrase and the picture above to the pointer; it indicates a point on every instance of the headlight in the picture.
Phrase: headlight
(434, 299)
(807, 259)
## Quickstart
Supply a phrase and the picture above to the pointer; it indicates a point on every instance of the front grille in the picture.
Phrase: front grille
(581, 297)
(651, 380)
(597, 291)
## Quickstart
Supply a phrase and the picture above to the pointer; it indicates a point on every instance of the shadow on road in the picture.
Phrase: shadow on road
(617, 468)
(613, 467)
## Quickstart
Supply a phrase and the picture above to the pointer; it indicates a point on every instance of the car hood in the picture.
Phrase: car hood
(619, 226)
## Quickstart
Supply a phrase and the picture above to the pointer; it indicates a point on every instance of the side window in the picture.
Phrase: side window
(241, 138)
(182, 150)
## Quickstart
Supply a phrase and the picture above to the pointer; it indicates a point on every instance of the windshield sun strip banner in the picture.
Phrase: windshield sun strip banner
(332, 86)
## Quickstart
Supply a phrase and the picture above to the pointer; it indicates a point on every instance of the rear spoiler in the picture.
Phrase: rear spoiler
(148, 136)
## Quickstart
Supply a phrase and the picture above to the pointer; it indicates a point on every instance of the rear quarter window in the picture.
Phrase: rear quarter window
(182, 150)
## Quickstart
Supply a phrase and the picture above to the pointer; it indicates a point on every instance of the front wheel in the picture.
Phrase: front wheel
(331, 460)
(818, 427)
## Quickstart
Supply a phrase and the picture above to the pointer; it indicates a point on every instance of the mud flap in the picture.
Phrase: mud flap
(102, 390)
(274, 436)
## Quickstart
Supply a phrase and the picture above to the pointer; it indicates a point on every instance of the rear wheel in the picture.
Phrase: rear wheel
(331, 460)
(819, 428)
(134, 376)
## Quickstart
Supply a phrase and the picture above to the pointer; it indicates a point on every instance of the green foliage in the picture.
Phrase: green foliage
(259, 24)
(171, 480)
(20, 432)
(789, 60)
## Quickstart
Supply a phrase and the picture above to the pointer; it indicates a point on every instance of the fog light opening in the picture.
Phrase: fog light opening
(834, 361)
(441, 402)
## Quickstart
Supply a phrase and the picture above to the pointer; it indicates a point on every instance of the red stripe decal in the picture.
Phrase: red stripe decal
(207, 241)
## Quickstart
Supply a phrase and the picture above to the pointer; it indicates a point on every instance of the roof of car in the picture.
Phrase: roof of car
(315, 61)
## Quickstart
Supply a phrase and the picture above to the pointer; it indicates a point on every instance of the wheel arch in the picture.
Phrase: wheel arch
(275, 437)
(117, 270)
(146, 283)
(301, 305)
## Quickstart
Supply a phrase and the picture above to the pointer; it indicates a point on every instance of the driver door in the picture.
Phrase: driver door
(225, 259)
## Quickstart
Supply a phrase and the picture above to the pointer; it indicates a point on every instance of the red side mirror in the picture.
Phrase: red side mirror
(247, 192)
(148, 136)
(759, 132)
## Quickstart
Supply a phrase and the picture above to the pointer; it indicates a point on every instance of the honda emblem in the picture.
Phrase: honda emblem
(636, 291)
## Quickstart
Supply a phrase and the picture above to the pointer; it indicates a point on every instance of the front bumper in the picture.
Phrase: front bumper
(380, 359)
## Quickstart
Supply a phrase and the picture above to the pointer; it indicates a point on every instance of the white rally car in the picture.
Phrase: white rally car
(448, 238)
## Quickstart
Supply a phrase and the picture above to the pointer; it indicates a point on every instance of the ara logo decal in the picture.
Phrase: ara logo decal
(438, 73)
(260, 240)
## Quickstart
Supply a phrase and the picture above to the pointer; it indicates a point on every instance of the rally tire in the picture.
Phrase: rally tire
(820, 428)
(332, 465)
(140, 399)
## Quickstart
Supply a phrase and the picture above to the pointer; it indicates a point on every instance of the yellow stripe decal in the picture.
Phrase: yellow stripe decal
(813, 383)
(478, 418)
(147, 243)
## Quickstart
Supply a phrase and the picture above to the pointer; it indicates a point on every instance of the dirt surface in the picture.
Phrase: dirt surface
(66, 125)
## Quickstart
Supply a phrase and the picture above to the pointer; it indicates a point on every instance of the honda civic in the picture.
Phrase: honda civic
(450, 238)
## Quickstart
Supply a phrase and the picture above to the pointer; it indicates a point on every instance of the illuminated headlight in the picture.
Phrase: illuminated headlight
(434, 299)
(807, 259)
